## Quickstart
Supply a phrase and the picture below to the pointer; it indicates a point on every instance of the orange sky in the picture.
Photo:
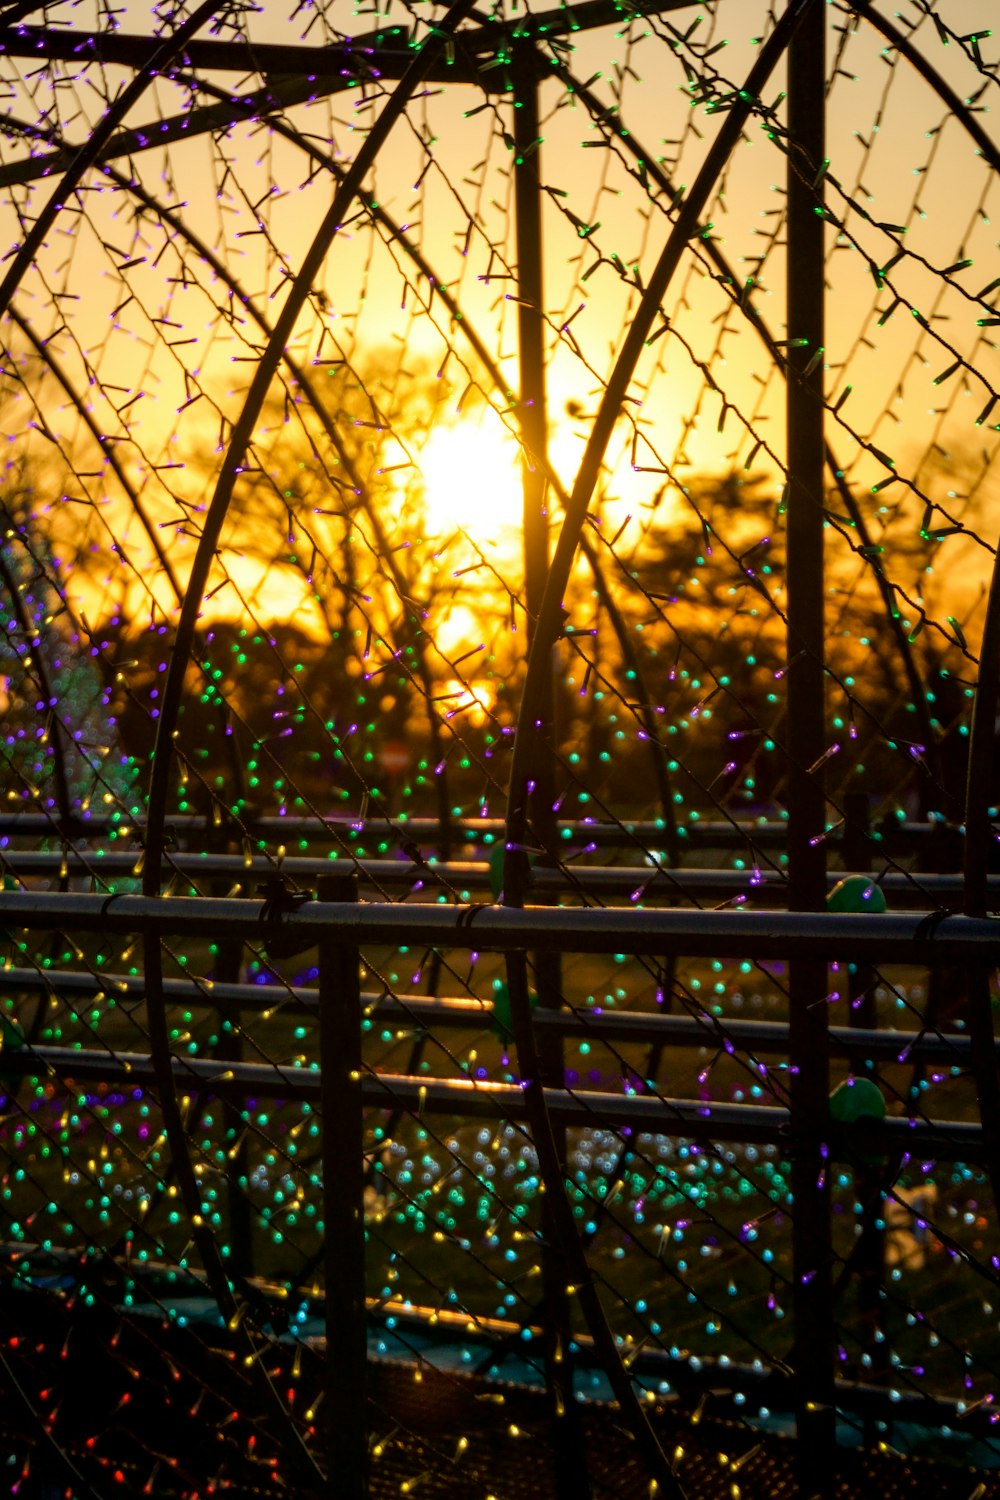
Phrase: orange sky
(169, 343)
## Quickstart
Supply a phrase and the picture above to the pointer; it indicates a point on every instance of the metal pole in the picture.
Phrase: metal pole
(863, 1016)
(979, 845)
(814, 1345)
(226, 971)
(229, 1049)
(572, 1479)
(861, 978)
(345, 1389)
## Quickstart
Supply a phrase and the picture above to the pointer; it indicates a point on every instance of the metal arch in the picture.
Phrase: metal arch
(41, 667)
(88, 154)
(181, 650)
(300, 1458)
(299, 374)
(301, 286)
(218, 1281)
(964, 115)
(961, 112)
(629, 657)
(917, 689)
(630, 660)
(685, 226)
(218, 508)
(282, 93)
(46, 355)
(219, 268)
(930, 75)
(167, 215)
(547, 630)
(984, 656)
(467, 328)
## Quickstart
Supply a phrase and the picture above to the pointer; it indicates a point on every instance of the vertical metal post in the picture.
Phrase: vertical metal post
(870, 1247)
(858, 859)
(979, 844)
(229, 1048)
(813, 1350)
(345, 1389)
(530, 335)
(571, 1468)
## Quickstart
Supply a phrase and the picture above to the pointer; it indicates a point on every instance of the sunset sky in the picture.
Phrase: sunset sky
(141, 328)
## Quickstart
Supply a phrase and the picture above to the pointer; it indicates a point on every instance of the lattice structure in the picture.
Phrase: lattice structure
(535, 471)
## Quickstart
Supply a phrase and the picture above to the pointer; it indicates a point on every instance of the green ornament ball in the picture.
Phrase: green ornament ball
(858, 1102)
(12, 1039)
(502, 1018)
(496, 871)
(495, 865)
(856, 893)
(857, 1099)
(10, 883)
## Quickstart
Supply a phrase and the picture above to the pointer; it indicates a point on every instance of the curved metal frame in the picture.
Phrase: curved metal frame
(930, 75)
(527, 735)
(89, 153)
(173, 687)
(550, 620)
(631, 144)
(45, 354)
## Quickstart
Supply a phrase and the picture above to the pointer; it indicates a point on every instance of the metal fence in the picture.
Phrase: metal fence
(645, 1132)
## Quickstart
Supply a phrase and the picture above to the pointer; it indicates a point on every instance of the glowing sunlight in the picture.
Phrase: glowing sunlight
(472, 474)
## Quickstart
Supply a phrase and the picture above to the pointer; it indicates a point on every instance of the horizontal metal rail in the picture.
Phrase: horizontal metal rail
(624, 882)
(355, 64)
(698, 833)
(418, 1012)
(896, 937)
(688, 1119)
(387, 49)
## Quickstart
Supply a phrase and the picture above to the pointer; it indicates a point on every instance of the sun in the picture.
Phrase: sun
(472, 479)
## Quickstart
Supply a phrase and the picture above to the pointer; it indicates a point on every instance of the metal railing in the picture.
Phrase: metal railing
(341, 1087)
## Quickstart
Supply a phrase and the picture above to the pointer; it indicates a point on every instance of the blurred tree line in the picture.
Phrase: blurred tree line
(356, 698)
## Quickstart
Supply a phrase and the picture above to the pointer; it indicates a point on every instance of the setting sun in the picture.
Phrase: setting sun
(473, 699)
(472, 475)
